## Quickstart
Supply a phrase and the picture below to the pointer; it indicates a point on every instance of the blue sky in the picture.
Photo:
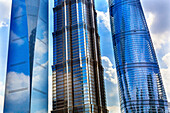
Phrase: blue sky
(158, 19)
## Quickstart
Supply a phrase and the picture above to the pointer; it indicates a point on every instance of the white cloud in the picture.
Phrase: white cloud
(39, 73)
(165, 74)
(111, 85)
(38, 69)
(3, 24)
(161, 11)
(160, 40)
(150, 19)
(114, 109)
(104, 18)
(110, 73)
(17, 81)
(40, 48)
(19, 41)
(5, 6)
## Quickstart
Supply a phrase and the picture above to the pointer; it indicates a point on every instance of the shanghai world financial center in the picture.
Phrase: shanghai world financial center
(77, 72)
(27, 68)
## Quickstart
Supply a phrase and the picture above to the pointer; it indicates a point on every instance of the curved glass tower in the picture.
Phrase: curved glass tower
(78, 82)
(27, 68)
(140, 83)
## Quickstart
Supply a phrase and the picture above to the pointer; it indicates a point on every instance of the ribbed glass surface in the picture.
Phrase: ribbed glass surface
(140, 84)
(78, 84)
(27, 68)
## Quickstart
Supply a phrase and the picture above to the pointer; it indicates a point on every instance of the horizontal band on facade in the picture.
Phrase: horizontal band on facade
(17, 90)
(146, 100)
(77, 60)
(73, 27)
(32, 15)
(20, 63)
(144, 63)
(119, 68)
(70, 2)
(42, 20)
(42, 41)
(95, 108)
(131, 32)
(39, 91)
(19, 16)
(16, 39)
(123, 2)
(137, 105)
(40, 65)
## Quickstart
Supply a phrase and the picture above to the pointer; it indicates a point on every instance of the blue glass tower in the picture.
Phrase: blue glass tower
(27, 68)
(78, 83)
(140, 84)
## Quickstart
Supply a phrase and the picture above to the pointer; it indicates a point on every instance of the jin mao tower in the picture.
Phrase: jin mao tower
(78, 83)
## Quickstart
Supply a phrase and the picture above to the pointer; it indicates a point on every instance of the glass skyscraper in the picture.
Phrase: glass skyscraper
(78, 83)
(140, 84)
(27, 67)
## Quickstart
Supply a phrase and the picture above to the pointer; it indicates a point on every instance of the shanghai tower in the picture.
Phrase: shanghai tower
(141, 88)
(27, 67)
(78, 82)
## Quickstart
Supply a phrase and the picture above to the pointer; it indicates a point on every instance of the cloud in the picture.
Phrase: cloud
(165, 74)
(5, 11)
(5, 8)
(18, 41)
(161, 11)
(104, 18)
(40, 47)
(3, 24)
(114, 109)
(17, 81)
(110, 73)
(160, 40)
(111, 85)
(39, 72)
(158, 20)
(150, 19)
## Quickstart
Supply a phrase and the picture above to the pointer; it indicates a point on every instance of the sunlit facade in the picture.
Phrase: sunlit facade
(78, 83)
(140, 84)
(27, 68)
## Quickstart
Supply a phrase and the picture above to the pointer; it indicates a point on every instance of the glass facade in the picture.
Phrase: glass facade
(27, 68)
(140, 84)
(78, 83)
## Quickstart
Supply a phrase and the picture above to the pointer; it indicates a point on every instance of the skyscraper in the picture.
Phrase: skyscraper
(140, 84)
(27, 68)
(78, 83)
